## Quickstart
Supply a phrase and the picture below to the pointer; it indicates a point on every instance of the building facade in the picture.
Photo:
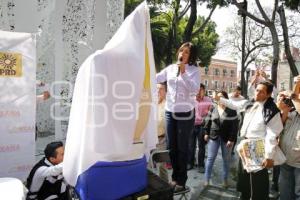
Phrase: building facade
(220, 75)
(284, 75)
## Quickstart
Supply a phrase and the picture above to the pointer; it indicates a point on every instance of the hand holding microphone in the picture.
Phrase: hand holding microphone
(179, 63)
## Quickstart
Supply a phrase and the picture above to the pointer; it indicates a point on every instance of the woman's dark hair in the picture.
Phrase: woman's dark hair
(50, 150)
(238, 88)
(202, 86)
(193, 52)
(225, 95)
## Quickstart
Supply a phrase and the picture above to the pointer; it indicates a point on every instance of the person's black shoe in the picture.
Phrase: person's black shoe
(274, 187)
(179, 188)
(273, 194)
(173, 184)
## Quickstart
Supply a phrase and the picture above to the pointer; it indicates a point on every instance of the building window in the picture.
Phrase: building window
(206, 83)
(282, 85)
(231, 85)
(232, 73)
(206, 70)
(217, 72)
(223, 85)
(224, 72)
(216, 84)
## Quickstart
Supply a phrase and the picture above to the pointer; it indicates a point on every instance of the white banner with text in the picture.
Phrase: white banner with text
(17, 104)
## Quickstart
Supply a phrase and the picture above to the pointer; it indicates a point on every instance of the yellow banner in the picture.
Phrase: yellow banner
(10, 64)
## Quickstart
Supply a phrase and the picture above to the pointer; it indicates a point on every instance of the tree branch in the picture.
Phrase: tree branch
(248, 62)
(259, 37)
(288, 53)
(200, 29)
(234, 2)
(274, 10)
(184, 11)
(261, 10)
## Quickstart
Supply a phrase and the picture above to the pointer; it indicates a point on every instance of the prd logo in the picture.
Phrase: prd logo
(10, 64)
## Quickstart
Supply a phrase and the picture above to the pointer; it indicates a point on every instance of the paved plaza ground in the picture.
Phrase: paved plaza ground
(195, 179)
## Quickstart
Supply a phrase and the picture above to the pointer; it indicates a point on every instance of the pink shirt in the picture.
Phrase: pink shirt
(202, 108)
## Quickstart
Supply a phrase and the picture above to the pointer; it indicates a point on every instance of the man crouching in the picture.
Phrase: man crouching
(45, 180)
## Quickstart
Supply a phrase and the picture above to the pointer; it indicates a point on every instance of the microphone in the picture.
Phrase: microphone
(178, 63)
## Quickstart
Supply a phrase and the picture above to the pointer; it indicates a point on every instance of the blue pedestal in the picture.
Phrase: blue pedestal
(112, 180)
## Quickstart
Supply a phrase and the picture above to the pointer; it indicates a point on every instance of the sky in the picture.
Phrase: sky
(224, 18)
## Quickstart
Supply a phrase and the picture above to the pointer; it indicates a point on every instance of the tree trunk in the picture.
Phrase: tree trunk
(190, 25)
(169, 46)
(243, 59)
(172, 34)
(275, 53)
(287, 50)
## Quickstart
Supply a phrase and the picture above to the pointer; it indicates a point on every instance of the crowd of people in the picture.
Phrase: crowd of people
(218, 122)
(191, 125)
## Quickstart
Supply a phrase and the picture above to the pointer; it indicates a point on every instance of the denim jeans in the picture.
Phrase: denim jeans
(197, 135)
(275, 178)
(179, 127)
(289, 182)
(212, 152)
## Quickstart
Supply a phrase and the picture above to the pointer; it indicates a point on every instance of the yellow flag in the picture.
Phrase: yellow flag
(145, 102)
(10, 64)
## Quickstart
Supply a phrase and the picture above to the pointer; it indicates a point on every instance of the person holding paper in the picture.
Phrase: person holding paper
(262, 120)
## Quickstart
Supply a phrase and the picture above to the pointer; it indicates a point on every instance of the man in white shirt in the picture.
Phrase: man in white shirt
(262, 120)
(259, 76)
(45, 180)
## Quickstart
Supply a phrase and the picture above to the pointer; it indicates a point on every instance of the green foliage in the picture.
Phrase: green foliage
(211, 3)
(159, 34)
(292, 4)
(130, 5)
(162, 14)
(206, 41)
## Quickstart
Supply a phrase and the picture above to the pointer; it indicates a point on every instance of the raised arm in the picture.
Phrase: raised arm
(296, 92)
(237, 105)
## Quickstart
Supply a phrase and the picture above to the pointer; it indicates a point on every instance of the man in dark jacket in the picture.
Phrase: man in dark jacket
(45, 180)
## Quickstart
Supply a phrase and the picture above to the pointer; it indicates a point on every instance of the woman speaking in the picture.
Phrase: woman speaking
(183, 82)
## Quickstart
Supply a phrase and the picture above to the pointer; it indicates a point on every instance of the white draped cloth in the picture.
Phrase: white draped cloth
(113, 103)
(12, 189)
